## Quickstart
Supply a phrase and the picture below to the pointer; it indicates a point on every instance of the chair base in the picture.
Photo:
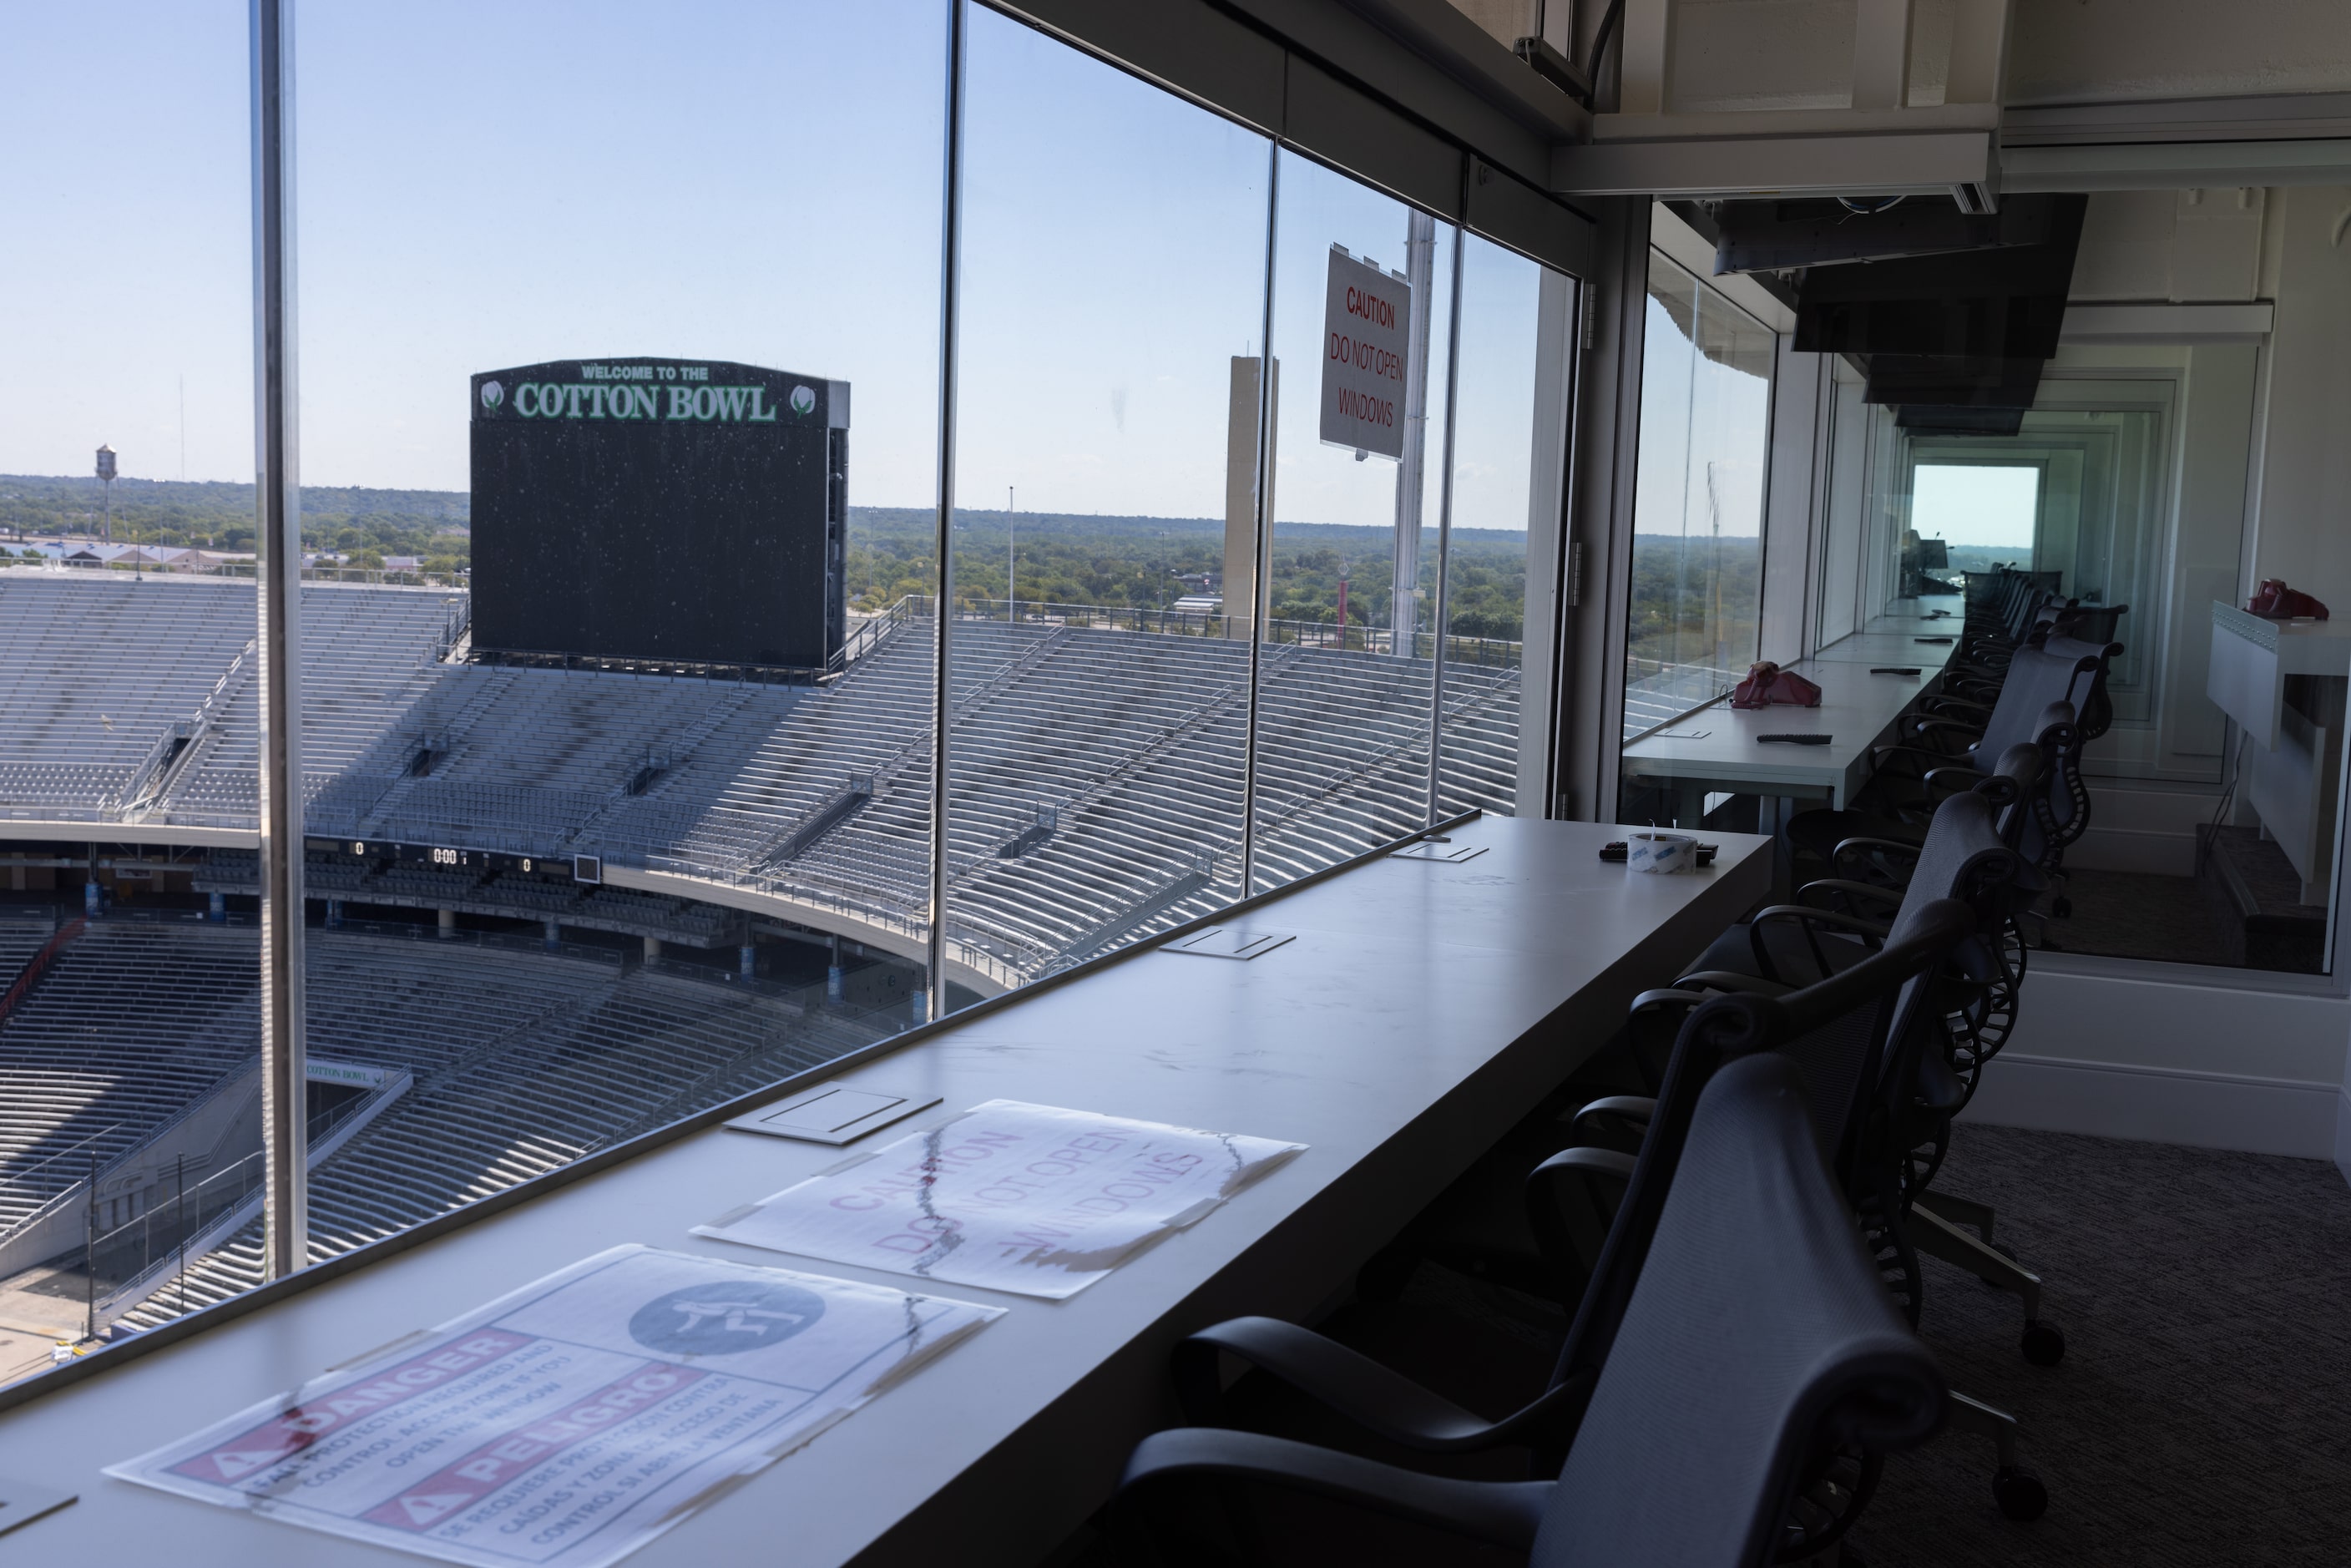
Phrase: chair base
(1934, 1234)
(2015, 1488)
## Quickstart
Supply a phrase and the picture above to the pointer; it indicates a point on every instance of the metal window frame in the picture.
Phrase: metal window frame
(1509, 212)
(286, 1206)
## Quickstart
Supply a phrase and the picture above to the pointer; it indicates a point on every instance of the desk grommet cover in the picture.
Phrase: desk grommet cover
(833, 1112)
(1229, 942)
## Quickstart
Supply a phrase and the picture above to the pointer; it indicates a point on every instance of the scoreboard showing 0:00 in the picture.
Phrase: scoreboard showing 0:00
(448, 857)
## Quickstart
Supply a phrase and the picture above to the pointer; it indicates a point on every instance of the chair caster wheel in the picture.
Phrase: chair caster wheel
(2043, 1345)
(2063, 908)
(1384, 1276)
(2020, 1493)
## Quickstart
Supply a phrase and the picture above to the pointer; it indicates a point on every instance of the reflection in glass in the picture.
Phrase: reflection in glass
(609, 818)
(130, 1013)
(1504, 431)
(1697, 545)
(1343, 706)
(1101, 563)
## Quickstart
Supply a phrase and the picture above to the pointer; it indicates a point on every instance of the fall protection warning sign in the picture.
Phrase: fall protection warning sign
(572, 1421)
(1034, 1199)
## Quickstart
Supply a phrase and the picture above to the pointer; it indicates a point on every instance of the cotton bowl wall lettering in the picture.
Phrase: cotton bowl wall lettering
(660, 510)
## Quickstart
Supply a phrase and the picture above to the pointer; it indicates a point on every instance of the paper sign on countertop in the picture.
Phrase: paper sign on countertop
(570, 1422)
(1012, 1197)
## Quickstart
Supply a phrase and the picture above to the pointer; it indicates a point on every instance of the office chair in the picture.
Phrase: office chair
(1871, 869)
(1887, 1153)
(1963, 858)
(1756, 1336)
(1845, 1017)
(2082, 637)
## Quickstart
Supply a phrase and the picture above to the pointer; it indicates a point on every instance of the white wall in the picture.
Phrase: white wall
(2218, 1057)
(2113, 51)
(1729, 54)
(2302, 484)
(2187, 1058)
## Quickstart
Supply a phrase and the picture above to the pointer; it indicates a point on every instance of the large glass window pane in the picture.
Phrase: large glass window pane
(1103, 529)
(1697, 545)
(130, 1015)
(1507, 453)
(2202, 847)
(1362, 284)
(617, 768)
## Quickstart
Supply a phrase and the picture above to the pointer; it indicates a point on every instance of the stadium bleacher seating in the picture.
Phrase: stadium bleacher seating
(520, 1061)
(131, 1023)
(1132, 742)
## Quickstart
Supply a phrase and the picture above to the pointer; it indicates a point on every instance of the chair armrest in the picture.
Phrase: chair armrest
(1506, 1513)
(1938, 704)
(1956, 780)
(1380, 1401)
(1880, 755)
(1877, 846)
(1602, 1175)
(1607, 1124)
(1739, 985)
(1845, 888)
(1810, 920)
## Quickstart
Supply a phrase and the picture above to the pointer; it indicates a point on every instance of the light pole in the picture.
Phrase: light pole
(106, 479)
(1012, 544)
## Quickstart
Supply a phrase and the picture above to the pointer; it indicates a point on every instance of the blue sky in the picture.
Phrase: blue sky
(491, 183)
(1992, 505)
(1705, 426)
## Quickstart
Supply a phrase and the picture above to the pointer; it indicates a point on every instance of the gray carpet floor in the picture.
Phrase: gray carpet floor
(2135, 915)
(2201, 1415)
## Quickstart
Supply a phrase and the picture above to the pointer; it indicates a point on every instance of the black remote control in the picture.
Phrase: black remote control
(1894, 670)
(1930, 639)
(1797, 739)
(1616, 849)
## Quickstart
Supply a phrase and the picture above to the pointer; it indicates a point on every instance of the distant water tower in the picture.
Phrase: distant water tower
(105, 475)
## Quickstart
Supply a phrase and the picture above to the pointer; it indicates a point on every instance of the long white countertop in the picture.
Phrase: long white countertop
(1419, 1012)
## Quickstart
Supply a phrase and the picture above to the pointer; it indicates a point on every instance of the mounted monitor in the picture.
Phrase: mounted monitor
(2004, 303)
(659, 512)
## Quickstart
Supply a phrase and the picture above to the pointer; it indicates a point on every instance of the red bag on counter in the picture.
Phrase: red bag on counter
(1767, 683)
(2277, 601)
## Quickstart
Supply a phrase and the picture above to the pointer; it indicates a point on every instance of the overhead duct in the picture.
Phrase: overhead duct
(1950, 379)
(1778, 236)
(1929, 419)
(2003, 303)
(1958, 331)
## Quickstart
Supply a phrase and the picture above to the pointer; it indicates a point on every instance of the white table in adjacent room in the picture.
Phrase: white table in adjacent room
(1900, 649)
(1715, 750)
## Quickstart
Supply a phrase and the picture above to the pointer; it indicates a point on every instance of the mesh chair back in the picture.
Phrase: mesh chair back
(2091, 623)
(1833, 1032)
(1841, 1045)
(1759, 1331)
(2078, 642)
(2036, 677)
(2009, 790)
(1964, 858)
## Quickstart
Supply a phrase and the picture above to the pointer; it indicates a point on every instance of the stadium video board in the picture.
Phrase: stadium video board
(659, 511)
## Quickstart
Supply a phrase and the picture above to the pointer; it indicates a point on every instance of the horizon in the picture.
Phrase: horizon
(428, 199)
